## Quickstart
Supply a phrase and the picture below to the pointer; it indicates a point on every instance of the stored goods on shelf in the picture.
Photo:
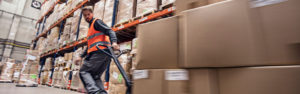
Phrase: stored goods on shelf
(8, 70)
(83, 28)
(117, 89)
(165, 2)
(146, 6)
(125, 11)
(108, 12)
(249, 39)
(99, 9)
(161, 81)
(76, 82)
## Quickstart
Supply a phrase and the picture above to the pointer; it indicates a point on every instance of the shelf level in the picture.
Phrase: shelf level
(116, 29)
(48, 12)
(44, 34)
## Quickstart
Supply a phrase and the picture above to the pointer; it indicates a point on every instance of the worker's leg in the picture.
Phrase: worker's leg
(90, 69)
(100, 72)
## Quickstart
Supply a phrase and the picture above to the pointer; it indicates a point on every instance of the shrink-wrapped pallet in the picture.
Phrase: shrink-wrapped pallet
(125, 11)
(99, 9)
(145, 6)
(108, 12)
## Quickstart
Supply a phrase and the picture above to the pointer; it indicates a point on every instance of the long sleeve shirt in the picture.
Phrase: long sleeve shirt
(99, 25)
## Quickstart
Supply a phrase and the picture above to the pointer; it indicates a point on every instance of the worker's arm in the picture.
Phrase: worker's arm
(101, 26)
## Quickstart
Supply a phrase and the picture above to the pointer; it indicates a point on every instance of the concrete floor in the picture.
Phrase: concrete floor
(10, 88)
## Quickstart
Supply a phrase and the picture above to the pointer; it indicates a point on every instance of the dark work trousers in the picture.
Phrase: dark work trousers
(91, 71)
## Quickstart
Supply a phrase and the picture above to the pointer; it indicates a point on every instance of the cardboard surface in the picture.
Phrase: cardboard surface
(215, 36)
(260, 80)
(156, 83)
(158, 44)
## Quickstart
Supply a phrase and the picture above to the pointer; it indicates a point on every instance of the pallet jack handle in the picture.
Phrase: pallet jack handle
(121, 69)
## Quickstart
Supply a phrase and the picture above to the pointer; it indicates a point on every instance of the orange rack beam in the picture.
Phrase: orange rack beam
(60, 20)
(122, 27)
(44, 2)
(51, 9)
(144, 19)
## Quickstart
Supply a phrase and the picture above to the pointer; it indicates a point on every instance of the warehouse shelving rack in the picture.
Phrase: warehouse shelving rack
(126, 32)
(49, 11)
(121, 27)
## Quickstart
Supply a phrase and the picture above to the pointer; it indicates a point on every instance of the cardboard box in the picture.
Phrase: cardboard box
(146, 6)
(58, 79)
(261, 35)
(45, 76)
(165, 2)
(115, 75)
(260, 80)
(203, 81)
(245, 80)
(160, 81)
(158, 44)
(182, 5)
(117, 89)
(7, 70)
(75, 84)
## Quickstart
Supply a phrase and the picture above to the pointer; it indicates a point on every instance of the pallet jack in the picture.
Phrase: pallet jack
(111, 53)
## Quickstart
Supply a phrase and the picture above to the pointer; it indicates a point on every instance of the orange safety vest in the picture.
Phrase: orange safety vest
(95, 37)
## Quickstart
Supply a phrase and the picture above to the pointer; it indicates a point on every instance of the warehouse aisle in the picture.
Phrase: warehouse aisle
(9, 88)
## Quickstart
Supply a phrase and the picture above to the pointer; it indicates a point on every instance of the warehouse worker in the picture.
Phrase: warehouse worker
(96, 61)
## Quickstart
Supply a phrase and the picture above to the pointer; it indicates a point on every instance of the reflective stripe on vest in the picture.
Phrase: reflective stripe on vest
(95, 37)
(100, 42)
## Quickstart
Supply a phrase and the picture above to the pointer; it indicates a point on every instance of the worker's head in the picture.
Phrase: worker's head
(87, 13)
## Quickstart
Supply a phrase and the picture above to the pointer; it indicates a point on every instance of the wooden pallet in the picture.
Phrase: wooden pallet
(144, 15)
(125, 22)
(166, 6)
(6, 81)
(72, 89)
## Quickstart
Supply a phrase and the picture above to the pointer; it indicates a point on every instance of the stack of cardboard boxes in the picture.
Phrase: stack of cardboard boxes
(76, 82)
(7, 70)
(116, 81)
(30, 68)
(125, 11)
(229, 47)
(146, 6)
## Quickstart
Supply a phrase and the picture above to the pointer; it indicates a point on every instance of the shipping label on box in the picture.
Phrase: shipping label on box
(176, 75)
(140, 74)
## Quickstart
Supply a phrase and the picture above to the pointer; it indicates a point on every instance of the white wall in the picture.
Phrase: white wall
(5, 22)
(26, 27)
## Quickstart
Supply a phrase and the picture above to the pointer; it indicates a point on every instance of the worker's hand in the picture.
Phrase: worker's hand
(78, 60)
(116, 46)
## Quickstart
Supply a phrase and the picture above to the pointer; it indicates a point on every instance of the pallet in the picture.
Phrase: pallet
(56, 87)
(145, 14)
(166, 6)
(125, 22)
(33, 85)
(72, 89)
(66, 69)
(6, 81)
